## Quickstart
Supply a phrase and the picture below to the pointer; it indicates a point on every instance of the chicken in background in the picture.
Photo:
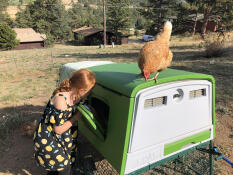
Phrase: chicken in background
(28, 128)
(155, 56)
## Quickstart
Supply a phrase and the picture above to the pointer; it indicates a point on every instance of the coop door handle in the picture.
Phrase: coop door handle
(89, 117)
(178, 96)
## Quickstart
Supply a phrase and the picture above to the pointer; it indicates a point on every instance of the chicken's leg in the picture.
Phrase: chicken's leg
(154, 78)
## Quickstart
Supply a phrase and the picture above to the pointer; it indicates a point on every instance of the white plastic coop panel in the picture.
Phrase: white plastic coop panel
(167, 113)
(67, 69)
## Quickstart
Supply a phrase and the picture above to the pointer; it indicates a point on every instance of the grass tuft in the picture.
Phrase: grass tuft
(214, 49)
(8, 123)
(222, 109)
(214, 45)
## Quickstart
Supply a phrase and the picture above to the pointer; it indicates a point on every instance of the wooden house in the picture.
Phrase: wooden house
(94, 36)
(29, 39)
(211, 25)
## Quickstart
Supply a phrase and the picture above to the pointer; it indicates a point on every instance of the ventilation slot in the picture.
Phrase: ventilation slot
(197, 93)
(153, 102)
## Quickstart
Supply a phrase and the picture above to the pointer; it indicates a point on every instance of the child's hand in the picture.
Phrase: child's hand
(77, 115)
(92, 110)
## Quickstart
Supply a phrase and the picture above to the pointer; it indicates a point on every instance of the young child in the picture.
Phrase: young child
(55, 138)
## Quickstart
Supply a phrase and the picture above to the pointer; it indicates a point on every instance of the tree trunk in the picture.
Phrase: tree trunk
(207, 12)
(195, 24)
(104, 11)
(160, 16)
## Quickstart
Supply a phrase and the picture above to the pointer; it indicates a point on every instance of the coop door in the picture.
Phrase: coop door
(102, 111)
(165, 112)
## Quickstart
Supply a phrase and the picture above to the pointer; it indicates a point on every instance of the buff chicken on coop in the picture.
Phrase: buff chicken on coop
(156, 56)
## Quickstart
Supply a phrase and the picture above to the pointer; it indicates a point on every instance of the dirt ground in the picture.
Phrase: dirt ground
(17, 150)
(27, 80)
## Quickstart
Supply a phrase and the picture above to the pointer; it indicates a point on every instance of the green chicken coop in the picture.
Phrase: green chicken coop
(140, 124)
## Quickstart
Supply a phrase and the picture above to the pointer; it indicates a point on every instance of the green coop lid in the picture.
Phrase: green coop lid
(123, 78)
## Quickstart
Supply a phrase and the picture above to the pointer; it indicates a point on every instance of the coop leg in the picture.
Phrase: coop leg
(211, 161)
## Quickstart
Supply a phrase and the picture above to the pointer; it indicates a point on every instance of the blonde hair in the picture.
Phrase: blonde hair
(80, 79)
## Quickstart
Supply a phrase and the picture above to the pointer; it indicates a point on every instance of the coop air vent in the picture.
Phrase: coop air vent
(153, 102)
(197, 93)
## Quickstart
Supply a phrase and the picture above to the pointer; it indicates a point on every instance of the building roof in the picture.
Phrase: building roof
(200, 17)
(86, 30)
(28, 35)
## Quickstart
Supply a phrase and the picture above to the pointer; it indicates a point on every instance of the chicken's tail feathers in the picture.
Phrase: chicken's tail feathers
(168, 26)
(166, 33)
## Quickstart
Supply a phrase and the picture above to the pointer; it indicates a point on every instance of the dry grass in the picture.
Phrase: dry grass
(30, 73)
(214, 44)
(30, 76)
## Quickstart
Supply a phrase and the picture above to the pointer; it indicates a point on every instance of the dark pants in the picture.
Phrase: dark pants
(66, 171)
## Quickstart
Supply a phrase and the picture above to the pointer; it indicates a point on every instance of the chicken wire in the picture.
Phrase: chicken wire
(189, 164)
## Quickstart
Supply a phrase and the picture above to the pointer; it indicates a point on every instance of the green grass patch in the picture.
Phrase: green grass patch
(9, 98)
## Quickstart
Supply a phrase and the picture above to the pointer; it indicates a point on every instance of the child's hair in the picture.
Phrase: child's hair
(80, 79)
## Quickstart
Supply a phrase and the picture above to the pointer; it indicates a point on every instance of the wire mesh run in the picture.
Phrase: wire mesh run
(193, 163)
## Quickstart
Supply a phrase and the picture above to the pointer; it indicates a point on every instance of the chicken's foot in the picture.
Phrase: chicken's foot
(154, 78)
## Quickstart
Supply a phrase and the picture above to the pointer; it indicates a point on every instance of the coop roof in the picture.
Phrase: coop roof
(28, 35)
(124, 78)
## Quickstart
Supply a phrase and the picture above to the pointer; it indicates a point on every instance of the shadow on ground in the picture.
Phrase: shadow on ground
(133, 56)
(184, 47)
(17, 150)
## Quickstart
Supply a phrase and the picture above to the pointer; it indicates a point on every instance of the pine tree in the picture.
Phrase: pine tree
(48, 17)
(118, 15)
(24, 19)
(156, 12)
(7, 37)
(4, 17)
(184, 10)
(210, 7)
(80, 16)
(3, 5)
(225, 11)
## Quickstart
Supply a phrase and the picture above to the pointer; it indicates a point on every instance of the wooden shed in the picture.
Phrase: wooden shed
(124, 39)
(29, 39)
(211, 25)
(94, 36)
